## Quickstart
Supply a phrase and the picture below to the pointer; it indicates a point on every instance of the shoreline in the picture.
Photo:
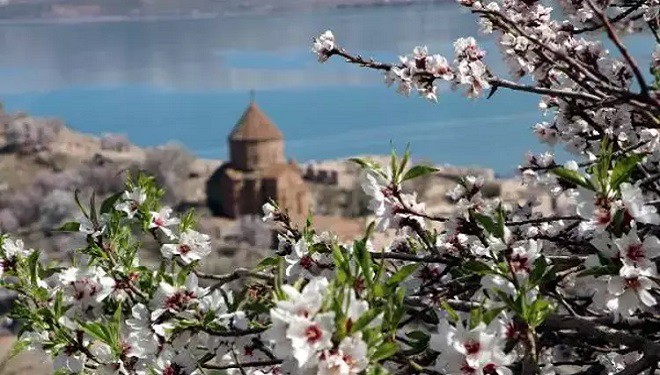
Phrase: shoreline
(229, 13)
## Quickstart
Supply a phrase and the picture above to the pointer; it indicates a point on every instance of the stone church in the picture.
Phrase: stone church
(257, 171)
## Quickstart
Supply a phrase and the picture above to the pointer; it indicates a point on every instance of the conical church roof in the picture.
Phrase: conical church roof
(254, 125)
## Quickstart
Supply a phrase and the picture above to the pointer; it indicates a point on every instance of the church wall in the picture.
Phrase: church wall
(292, 193)
(229, 196)
(249, 155)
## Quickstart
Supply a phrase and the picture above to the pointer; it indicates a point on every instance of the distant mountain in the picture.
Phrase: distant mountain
(132, 9)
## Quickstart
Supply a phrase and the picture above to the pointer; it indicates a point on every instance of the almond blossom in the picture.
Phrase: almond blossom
(192, 246)
(498, 284)
(269, 212)
(639, 254)
(304, 264)
(161, 220)
(323, 45)
(141, 340)
(633, 202)
(349, 359)
(131, 201)
(523, 256)
(596, 209)
(627, 292)
(10, 252)
(310, 337)
(471, 72)
(465, 351)
(85, 288)
(175, 299)
(301, 304)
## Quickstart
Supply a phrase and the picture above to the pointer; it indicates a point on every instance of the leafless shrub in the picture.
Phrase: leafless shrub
(25, 205)
(115, 142)
(48, 181)
(4, 119)
(27, 134)
(56, 209)
(170, 165)
(8, 222)
(103, 177)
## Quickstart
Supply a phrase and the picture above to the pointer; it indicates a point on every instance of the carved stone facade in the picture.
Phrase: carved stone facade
(257, 171)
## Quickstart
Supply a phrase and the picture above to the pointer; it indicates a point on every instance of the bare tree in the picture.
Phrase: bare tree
(171, 165)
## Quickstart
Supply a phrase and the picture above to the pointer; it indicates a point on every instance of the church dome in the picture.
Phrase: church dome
(254, 125)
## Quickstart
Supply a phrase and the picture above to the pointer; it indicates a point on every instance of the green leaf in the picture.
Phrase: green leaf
(309, 221)
(623, 169)
(478, 267)
(489, 224)
(402, 274)
(188, 220)
(475, 317)
(268, 262)
(93, 216)
(418, 340)
(366, 164)
(538, 312)
(393, 168)
(418, 171)
(33, 264)
(571, 176)
(377, 370)
(452, 314)
(508, 301)
(366, 318)
(365, 262)
(418, 335)
(76, 197)
(404, 161)
(488, 315)
(396, 309)
(538, 270)
(109, 202)
(340, 261)
(369, 231)
(98, 331)
(71, 226)
(385, 350)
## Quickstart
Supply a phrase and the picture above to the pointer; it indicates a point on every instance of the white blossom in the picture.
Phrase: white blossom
(85, 288)
(309, 337)
(470, 351)
(637, 253)
(323, 45)
(627, 292)
(161, 220)
(633, 202)
(192, 246)
(269, 212)
(131, 201)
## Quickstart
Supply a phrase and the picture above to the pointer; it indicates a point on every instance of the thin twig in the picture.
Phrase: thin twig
(235, 275)
(272, 362)
(611, 33)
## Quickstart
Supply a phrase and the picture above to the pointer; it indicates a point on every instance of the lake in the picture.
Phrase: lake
(189, 81)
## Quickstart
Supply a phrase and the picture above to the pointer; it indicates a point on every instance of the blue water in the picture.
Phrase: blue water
(188, 81)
